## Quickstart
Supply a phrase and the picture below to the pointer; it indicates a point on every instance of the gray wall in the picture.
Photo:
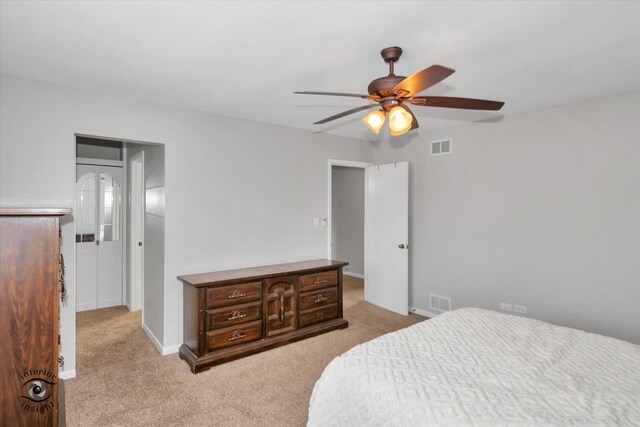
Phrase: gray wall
(540, 209)
(347, 217)
(278, 178)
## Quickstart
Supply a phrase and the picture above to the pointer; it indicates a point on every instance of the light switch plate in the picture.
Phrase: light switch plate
(316, 221)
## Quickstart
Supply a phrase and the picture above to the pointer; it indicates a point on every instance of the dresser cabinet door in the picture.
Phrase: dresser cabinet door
(280, 305)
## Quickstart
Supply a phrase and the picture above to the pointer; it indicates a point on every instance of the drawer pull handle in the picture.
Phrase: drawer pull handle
(236, 294)
(321, 298)
(281, 308)
(237, 335)
(319, 281)
(236, 315)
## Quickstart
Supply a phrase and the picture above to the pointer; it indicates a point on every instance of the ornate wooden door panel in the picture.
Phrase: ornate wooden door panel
(280, 305)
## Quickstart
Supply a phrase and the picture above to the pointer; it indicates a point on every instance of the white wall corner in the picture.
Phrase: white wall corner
(68, 374)
(356, 275)
(156, 342)
(170, 350)
(153, 338)
(421, 312)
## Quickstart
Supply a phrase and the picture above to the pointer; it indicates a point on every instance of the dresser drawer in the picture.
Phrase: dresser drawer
(317, 315)
(228, 337)
(319, 298)
(234, 315)
(314, 281)
(234, 294)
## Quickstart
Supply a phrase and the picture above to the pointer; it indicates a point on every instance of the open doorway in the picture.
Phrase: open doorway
(374, 199)
(119, 210)
(346, 222)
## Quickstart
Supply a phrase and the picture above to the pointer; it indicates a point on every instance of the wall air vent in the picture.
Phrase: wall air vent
(439, 303)
(440, 147)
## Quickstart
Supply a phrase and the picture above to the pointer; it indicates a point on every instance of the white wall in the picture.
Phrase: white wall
(238, 193)
(156, 309)
(347, 217)
(540, 209)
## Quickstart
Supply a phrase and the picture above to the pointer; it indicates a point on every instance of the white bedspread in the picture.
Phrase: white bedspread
(479, 367)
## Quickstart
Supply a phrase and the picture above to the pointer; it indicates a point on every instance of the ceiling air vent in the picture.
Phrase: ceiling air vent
(441, 147)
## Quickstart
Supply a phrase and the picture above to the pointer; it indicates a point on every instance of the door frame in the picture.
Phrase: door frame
(136, 199)
(352, 164)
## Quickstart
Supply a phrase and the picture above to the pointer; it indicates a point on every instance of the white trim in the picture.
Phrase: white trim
(330, 164)
(356, 275)
(153, 338)
(99, 162)
(421, 312)
(170, 350)
(86, 306)
(65, 375)
(156, 342)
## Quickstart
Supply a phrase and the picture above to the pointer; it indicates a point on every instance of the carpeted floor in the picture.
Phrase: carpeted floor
(123, 381)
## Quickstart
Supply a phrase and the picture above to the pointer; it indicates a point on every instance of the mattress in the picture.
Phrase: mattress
(478, 367)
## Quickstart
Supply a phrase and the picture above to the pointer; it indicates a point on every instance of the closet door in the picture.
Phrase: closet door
(86, 218)
(99, 230)
(110, 231)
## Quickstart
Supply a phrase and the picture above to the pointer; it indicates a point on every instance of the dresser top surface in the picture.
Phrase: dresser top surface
(227, 276)
(34, 211)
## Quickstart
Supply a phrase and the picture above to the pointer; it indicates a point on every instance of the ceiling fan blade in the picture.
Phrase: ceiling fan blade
(346, 113)
(353, 95)
(451, 102)
(414, 121)
(422, 80)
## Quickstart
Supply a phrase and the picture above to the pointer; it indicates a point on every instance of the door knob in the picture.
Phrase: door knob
(401, 246)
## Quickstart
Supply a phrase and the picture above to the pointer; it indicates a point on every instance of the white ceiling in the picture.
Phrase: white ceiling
(244, 59)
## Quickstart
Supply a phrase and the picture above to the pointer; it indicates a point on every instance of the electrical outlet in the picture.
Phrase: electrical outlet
(506, 307)
(522, 309)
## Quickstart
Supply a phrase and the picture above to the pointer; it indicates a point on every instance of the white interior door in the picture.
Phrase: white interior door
(86, 215)
(99, 221)
(110, 229)
(387, 236)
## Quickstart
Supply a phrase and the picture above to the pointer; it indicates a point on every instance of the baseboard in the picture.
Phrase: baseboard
(421, 312)
(162, 350)
(86, 307)
(114, 302)
(65, 375)
(153, 338)
(356, 275)
(170, 350)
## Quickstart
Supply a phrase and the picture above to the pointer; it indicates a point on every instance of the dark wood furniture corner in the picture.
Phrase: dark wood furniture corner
(30, 285)
(235, 313)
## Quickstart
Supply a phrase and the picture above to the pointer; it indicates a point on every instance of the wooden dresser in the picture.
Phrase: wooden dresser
(235, 313)
(30, 285)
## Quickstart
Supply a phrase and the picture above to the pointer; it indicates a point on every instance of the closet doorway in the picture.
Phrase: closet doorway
(119, 239)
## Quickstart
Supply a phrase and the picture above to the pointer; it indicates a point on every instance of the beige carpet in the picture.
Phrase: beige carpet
(122, 380)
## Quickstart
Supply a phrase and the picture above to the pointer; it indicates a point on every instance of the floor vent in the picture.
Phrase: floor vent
(439, 303)
(441, 147)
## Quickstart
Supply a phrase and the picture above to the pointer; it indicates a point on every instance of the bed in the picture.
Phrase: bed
(478, 367)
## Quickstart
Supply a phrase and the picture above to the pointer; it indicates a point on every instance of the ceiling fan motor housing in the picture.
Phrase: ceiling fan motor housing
(383, 86)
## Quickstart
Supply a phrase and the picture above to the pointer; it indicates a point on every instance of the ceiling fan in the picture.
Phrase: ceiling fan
(392, 93)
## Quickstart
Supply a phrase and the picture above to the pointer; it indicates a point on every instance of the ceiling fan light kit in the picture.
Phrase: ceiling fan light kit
(399, 121)
(375, 120)
(392, 93)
